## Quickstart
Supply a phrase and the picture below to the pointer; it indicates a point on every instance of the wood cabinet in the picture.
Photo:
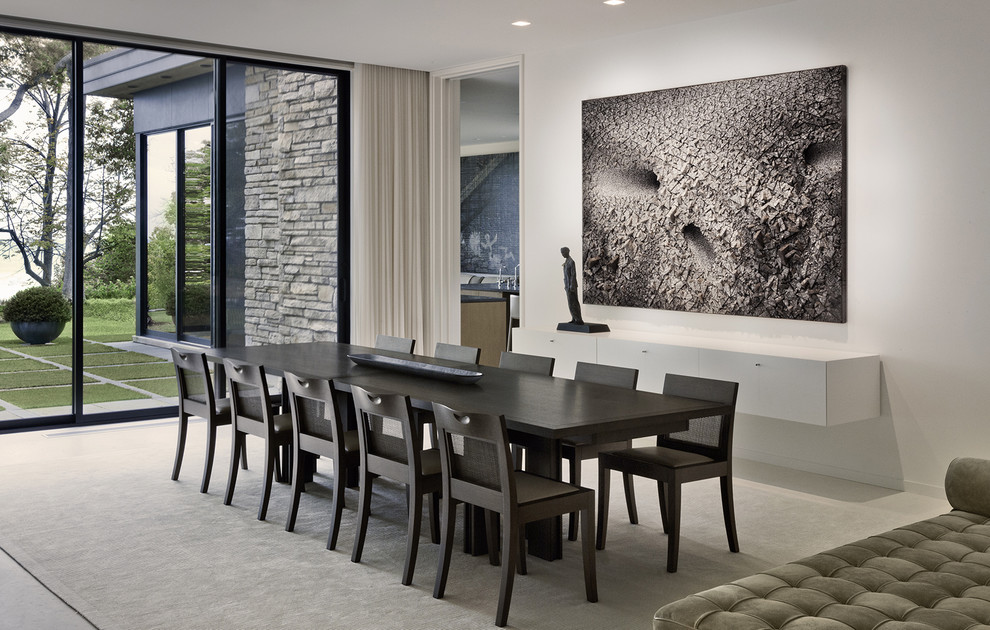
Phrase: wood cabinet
(813, 386)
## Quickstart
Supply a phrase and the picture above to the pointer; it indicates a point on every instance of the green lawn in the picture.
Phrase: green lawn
(110, 358)
(61, 396)
(23, 365)
(61, 347)
(38, 378)
(160, 386)
(31, 384)
(131, 372)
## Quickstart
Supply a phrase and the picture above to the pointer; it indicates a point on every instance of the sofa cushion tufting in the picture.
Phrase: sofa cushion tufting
(933, 574)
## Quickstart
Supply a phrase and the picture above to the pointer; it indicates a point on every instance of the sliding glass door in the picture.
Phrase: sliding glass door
(171, 197)
(178, 248)
(36, 224)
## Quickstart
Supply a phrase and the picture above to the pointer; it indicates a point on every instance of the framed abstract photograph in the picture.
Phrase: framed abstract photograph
(723, 198)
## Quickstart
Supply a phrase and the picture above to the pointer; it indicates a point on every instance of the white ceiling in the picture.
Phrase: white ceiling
(419, 34)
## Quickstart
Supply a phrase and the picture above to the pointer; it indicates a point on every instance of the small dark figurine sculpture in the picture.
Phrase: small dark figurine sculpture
(571, 286)
(573, 304)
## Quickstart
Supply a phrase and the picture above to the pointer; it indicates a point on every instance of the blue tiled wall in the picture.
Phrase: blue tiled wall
(490, 213)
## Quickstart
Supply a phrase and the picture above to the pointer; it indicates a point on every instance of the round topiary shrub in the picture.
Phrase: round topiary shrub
(38, 314)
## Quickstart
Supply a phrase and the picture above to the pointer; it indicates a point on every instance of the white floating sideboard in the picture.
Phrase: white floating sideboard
(810, 385)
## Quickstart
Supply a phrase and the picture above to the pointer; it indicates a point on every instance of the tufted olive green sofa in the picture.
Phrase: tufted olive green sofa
(930, 574)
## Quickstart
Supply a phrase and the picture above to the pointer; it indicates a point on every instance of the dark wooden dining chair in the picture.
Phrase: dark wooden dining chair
(477, 470)
(252, 413)
(391, 445)
(197, 398)
(461, 354)
(318, 430)
(531, 363)
(703, 451)
(395, 344)
(576, 450)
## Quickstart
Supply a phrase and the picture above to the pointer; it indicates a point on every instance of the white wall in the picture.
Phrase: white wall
(918, 212)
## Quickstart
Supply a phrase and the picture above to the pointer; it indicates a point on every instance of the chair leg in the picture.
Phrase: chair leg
(180, 445)
(588, 552)
(412, 534)
(211, 446)
(296, 492)
(674, 524)
(604, 479)
(271, 459)
(627, 483)
(364, 510)
(244, 459)
(447, 518)
(510, 542)
(521, 567)
(575, 465)
(662, 495)
(491, 536)
(434, 510)
(337, 509)
(729, 513)
(236, 446)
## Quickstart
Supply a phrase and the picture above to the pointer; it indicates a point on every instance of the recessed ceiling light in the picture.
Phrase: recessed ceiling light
(521, 23)
(614, 3)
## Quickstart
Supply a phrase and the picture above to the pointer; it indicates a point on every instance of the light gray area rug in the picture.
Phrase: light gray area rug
(93, 514)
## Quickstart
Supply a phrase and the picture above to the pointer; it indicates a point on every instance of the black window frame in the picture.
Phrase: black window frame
(77, 417)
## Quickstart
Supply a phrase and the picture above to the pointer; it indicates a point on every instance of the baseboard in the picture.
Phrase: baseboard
(882, 481)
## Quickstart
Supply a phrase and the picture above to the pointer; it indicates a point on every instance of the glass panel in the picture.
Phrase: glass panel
(160, 177)
(35, 367)
(282, 205)
(196, 235)
(121, 374)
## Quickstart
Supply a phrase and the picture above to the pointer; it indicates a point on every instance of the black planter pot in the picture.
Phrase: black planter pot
(37, 332)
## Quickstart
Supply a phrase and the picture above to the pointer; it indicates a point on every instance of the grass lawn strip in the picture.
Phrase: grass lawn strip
(161, 386)
(110, 337)
(59, 349)
(61, 396)
(110, 358)
(23, 365)
(131, 372)
(39, 378)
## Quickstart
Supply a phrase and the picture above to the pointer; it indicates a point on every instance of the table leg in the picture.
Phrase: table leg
(543, 458)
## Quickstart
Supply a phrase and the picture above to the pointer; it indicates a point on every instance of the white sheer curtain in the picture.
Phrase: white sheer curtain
(392, 292)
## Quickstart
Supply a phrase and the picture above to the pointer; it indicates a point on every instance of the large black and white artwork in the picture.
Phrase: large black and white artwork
(720, 198)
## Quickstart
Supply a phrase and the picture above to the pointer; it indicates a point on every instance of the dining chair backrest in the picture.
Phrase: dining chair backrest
(249, 397)
(395, 344)
(710, 436)
(606, 374)
(386, 431)
(531, 363)
(313, 405)
(475, 458)
(453, 352)
(193, 376)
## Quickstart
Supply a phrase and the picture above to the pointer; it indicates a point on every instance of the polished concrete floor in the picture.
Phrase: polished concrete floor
(28, 605)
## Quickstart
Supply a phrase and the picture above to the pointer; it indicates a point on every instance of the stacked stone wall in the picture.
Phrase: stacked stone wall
(291, 207)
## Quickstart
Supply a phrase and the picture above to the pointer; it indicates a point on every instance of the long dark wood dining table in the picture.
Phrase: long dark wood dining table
(539, 411)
